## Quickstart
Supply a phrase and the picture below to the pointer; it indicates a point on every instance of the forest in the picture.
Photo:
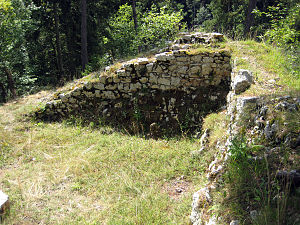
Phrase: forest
(47, 43)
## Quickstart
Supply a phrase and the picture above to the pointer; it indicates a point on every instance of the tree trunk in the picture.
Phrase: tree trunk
(135, 21)
(3, 93)
(58, 45)
(84, 53)
(134, 15)
(10, 82)
(249, 16)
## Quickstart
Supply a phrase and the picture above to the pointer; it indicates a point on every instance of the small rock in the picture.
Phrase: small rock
(212, 220)
(204, 137)
(292, 177)
(4, 204)
(253, 214)
(270, 130)
(292, 107)
(175, 47)
(242, 81)
(263, 111)
(235, 222)
(142, 61)
(272, 81)
(179, 190)
(282, 106)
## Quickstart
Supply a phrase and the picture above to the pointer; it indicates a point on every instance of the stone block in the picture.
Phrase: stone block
(111, 87)
(99, 86)
(97, 94)
(175, 81)
(4, 204)
(144, 80)
(182, 59)
(164, 81)
(195, 70)
(166, 56)
(88, 86)
(182, 70)
(208, 60)
(196, 58)
(142, 61)
(153, 78)
(206, 69)
(242, 81)
(149, 67)
(102, 79)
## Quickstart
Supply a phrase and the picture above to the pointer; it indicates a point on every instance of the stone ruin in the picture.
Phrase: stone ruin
(173, 90)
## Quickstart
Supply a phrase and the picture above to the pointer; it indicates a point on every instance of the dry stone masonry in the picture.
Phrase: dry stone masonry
(173, 89)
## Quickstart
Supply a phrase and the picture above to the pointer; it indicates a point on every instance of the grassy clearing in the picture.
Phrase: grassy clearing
(59, 173)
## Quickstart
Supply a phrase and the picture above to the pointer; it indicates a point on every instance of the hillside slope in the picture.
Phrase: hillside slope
(71, 172)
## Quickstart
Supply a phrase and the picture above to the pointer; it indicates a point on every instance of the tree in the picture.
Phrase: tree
(14, 67)
(84, 52)
(58, 44)
(249, 16)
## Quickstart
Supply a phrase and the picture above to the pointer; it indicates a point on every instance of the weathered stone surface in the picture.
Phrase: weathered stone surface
(142, 61)
(242, 81)
(4, 204)
(206, 69)
(143, 83)
(164, 56)
(164, 81)
(235, 222)
(175, 81)
(99, 86)
(201, 199)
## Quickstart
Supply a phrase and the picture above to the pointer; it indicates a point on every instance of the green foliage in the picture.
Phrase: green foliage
(122, 33)
(227, 17)
(14, 22)
(155, 27)
(284, 25)
(252, 184)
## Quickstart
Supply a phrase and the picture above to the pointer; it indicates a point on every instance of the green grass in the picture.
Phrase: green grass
(56, 173)
(267, 63)
(63, 173)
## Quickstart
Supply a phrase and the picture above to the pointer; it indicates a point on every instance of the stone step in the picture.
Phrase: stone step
(4, 204)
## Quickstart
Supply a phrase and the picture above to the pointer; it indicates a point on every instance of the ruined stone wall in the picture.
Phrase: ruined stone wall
(174, 89)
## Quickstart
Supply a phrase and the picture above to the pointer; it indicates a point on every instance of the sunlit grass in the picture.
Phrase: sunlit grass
(60, 173)
(266, 62)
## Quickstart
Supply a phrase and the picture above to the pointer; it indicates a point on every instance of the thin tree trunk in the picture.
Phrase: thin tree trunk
(249, 16)
(10, 82)
(58, 46)
(84, 53)
(3, 93)
(134, 15)
(135, 21)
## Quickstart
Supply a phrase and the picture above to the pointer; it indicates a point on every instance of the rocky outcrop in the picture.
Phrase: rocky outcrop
(258, 119)
(173, 89)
